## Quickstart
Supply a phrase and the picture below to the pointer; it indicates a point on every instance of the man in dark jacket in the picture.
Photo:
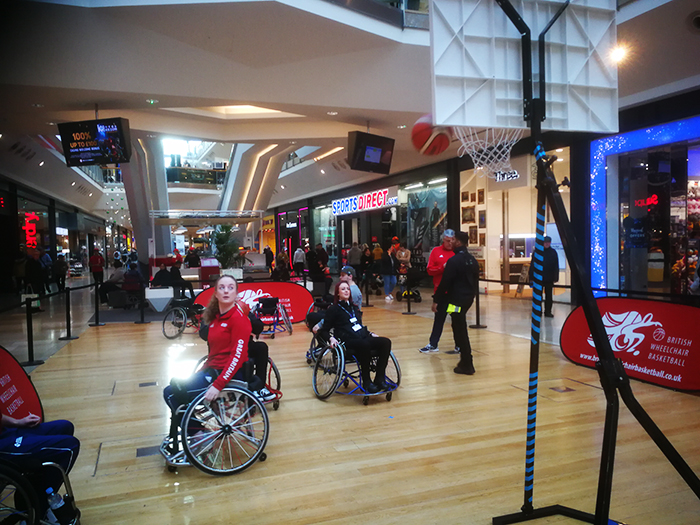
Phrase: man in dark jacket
(550, 274)
(458, 287)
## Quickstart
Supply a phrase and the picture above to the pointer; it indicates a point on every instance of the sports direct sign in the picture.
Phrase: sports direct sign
(367, 201)
(657, 342)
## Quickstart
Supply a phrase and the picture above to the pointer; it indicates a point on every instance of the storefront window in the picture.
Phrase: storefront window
(424, 219)
(659, 218)
(324, 233)
(33, 222)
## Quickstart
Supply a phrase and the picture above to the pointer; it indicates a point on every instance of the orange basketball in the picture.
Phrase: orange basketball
(429, 139)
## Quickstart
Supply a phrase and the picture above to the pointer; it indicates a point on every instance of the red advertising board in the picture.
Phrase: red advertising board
(295, 298)
(657, 342)
(18, 396)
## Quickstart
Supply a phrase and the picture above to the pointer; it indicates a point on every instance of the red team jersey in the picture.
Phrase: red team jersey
(228, 344)
(436, 263)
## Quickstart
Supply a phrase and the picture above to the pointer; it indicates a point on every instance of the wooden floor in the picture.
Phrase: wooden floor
(447, 449)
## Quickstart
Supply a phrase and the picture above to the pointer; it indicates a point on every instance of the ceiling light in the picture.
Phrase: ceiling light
(152, 101)
(401, 126)
(560, 160)
(72, 183)
(35, 105)
(618, 54)
(90, 194)
(51, 123)
(292, 141)
(323, 172)
(0, 135)
(332, 113)
(334, 150)
(417, 185)
(282, 186)
(437, 181)
(41, 163)
(559, 150)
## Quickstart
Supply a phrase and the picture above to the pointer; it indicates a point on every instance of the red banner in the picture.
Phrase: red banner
(18, 396)
(295, 298)
(657, 342)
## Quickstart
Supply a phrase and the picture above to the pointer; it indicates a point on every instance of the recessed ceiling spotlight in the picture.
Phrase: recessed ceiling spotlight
(41, 163)
(331, 113)
(559, 150)
(323, 172)
(618, 53)
(36, 105)
(51, 123)
(90, 195)
(152, 101)
(282, 186)
(560, 160)
(72, 183)
(401, 126)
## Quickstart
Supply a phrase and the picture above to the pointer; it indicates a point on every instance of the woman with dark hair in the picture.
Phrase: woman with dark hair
(346, 321)
(229, 332)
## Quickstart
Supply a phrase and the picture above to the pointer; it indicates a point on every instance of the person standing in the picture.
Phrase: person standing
(192, 259)
(269, 257)
(366, 263)
(387, 269)
(97, 265)
(60, 269)
(403, 260)
(550, 274)
(355, 257)
(46, 268)
(322, 254)
(298, 261)
(457, 288)
(436, 266)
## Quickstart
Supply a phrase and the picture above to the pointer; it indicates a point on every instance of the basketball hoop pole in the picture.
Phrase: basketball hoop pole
(612, 374)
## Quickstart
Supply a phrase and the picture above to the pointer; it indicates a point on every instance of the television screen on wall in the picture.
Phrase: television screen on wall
(104, 141)
(367, 152)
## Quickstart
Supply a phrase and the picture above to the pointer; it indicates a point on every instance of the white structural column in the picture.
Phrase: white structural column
(146, 189)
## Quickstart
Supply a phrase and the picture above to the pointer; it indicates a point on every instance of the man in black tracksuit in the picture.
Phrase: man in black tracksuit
(458, 287)
(550, 274)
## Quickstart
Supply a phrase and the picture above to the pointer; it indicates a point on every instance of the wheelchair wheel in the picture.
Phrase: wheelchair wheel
(200, 364)
(393, 371)
(18, 499)
(274, 380)
(226, 436)
(285, 319)
(328, 371)
(174, 323)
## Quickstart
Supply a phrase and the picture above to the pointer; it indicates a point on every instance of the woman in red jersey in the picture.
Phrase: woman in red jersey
(229, 332)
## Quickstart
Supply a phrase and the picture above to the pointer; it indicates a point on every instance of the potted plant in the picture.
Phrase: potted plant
(228, 251)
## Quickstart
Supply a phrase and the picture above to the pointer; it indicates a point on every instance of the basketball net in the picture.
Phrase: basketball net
(489, 149)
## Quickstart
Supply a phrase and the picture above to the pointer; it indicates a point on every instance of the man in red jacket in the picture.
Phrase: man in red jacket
(436, 266)
(97, 266)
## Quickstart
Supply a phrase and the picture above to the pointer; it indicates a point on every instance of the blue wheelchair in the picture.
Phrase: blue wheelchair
(337, 370)
(270, 307)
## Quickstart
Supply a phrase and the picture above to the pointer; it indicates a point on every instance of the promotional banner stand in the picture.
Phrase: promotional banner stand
(612, 374)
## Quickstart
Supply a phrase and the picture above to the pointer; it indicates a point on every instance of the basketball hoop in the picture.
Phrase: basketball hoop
(489, 149)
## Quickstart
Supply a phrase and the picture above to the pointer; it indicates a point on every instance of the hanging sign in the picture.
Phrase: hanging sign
(657, 342)
(364, 202)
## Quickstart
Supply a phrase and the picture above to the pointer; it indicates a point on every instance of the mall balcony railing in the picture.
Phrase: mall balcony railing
(195, 176)
(400, 13)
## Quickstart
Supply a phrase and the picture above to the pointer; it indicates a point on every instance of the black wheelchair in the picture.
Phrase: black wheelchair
(271, 308)
(182, 314)
(336, 370)
(223, 437)
(19, 501)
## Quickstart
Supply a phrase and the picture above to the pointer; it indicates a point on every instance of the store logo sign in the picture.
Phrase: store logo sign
(621, 330)
(291, 225)
(503, 176)
(367, 201)
(30, 228)
(643, 203)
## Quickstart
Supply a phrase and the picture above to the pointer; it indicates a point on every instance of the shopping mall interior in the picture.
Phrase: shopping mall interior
(203, 132)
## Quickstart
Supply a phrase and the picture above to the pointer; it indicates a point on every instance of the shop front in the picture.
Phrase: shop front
(493, 210)
(267, 234)
(292, 230)
(651, 178)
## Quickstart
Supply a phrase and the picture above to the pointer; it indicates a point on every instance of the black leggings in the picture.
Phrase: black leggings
(258, 352)
(364, 349)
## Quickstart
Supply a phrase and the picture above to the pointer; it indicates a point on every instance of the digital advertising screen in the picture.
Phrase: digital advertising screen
(101, 142)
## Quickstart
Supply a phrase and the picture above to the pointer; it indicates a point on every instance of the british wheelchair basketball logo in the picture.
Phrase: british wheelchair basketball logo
(250, 297)
(656, 342)
(622, 330)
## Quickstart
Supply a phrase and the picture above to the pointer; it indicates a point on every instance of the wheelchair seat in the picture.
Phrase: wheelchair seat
(268, 305)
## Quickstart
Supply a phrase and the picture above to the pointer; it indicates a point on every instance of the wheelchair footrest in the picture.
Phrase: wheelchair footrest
(173, 459)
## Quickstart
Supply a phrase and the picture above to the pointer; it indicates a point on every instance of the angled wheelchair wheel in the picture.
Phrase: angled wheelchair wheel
(274, 380)
(393, 371)
(175, 322)
(19, 502)
(285, 319)
(200, 364)
(328, 371)
(225, 436)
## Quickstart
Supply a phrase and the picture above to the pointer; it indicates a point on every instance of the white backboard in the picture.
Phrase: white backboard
(477, 64)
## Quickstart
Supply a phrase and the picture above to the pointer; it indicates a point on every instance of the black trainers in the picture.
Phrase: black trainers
(465, 369)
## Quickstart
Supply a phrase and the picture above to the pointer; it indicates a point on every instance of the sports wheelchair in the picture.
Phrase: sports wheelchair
(223, 437)
(19, 501)
(330, 372)
(183, 313)
(270, 307)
